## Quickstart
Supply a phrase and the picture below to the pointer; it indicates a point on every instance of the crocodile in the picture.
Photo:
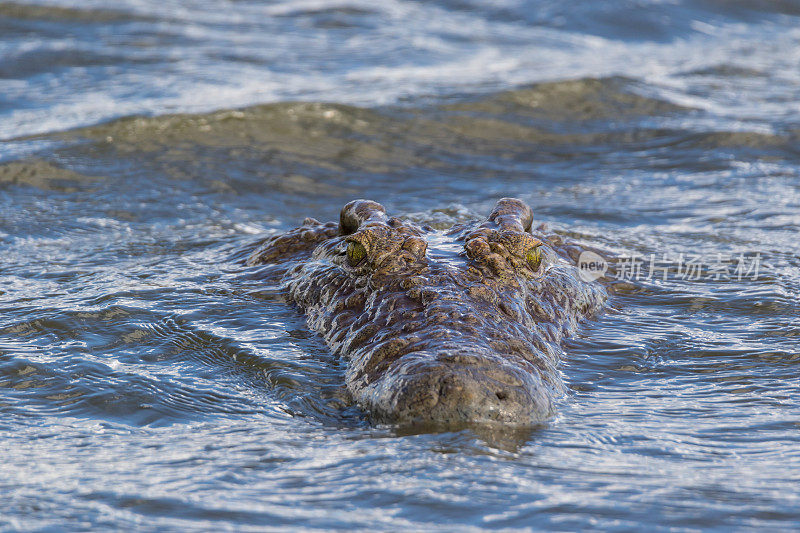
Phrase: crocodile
(446, 327)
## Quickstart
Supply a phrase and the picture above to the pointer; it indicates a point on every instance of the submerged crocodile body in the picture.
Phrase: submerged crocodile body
(454, 327)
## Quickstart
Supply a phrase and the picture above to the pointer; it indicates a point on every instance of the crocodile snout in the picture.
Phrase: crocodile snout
(451, 395)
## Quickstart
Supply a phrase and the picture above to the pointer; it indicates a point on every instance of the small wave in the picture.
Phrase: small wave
(380, 139)
(44, 175)
(60, 14)
(579, 99)
(128, 365)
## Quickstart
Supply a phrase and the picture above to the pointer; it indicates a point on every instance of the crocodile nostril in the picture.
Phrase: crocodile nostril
(501, 395)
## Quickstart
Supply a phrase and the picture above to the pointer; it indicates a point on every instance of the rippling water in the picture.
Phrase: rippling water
(148, 380)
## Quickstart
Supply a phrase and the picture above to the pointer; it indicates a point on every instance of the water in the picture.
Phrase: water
(150, 381)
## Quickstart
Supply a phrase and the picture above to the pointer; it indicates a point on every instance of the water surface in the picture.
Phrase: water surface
(148, 380)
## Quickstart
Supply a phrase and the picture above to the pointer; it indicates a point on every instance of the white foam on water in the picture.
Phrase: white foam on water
(204, 58)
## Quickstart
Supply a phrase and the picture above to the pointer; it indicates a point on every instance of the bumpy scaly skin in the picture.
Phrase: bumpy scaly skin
(438, 327)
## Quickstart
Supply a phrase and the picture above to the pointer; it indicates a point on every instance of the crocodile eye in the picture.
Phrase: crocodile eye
(534, 257)
(355, 253)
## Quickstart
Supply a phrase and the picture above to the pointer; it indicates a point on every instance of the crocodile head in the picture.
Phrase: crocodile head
(438, 327)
